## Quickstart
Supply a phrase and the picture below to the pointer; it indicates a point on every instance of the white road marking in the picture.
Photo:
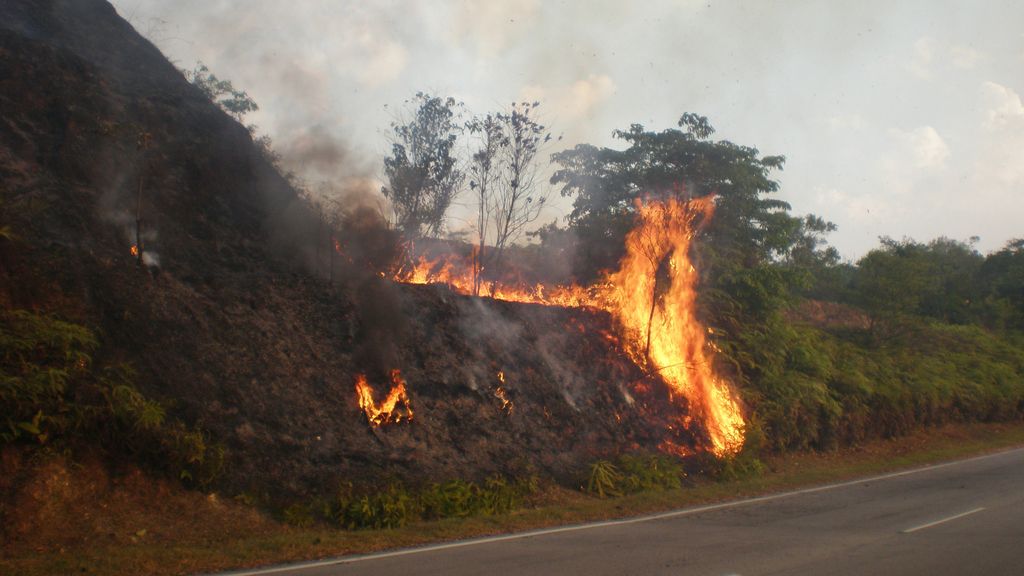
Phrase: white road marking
(942, 521)
(623, 522)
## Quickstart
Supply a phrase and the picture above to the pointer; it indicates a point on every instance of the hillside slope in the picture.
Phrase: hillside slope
(227, 327)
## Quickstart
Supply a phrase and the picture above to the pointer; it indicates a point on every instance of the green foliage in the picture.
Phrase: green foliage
(1003, 275)
(52, 394)
(748, 227)
(40, 357)
(299, 515)
(457, 498)
(653, 472)
(396, 505)
(604, 477)
(812, 389)
(633, 473)
(235, 102)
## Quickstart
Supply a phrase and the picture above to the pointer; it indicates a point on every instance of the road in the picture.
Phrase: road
(964, 517)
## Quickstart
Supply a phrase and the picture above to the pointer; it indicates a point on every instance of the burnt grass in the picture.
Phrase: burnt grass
(237, 331)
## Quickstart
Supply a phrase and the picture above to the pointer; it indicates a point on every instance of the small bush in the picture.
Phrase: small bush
(634, 473)
(396, 506)
(604, 479)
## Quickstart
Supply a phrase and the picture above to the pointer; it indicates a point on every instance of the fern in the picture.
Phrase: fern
(604, 479)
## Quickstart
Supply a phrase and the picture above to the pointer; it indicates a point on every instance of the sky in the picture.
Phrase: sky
(899, 119)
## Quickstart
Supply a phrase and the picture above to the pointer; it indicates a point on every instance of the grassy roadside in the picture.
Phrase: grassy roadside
(189, 532)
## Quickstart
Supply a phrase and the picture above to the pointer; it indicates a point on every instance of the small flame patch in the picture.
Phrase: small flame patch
(388, 411)
(501, 394)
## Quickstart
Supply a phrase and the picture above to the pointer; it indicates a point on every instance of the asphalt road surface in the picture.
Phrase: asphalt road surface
(964, 517)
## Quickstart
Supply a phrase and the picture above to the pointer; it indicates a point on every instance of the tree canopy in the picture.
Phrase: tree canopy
(422, 171)
(749, 226)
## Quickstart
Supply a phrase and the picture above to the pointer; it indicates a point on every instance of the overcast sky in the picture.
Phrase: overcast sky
(896, 118)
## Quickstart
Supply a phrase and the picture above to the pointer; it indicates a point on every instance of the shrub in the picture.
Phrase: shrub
(396, 505)
(52, 394)
(634, 473)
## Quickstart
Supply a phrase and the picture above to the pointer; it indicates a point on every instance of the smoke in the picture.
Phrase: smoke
(565, 371)
(118, 205)
(150, 259)
(382, 326)
(320, 156)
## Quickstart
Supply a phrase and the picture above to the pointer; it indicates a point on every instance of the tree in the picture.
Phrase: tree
(513, 201)
(484, 169)
(904, 278)
(889, 284)
(1003, 274)
(235, 102)
(748, 228)
(518, 202)
(423, 176)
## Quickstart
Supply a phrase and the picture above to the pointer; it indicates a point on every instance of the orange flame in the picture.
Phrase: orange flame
(135, 250)
(500, 394)
(652, 296)
(385, 412)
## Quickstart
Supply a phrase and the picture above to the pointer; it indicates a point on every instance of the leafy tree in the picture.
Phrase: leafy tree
(748, 226)
(740, 249)
(890, 283)
(814, 265)
(423, 175)
(235, 102)
(1003, 273)
(952, 293)
(907, 278)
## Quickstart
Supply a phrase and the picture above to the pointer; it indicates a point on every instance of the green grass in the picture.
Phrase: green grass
(230, 545)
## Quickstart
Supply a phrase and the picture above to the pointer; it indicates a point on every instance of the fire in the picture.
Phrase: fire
(500, 394)
(385, 412)
(652, 296)
(135, 250)
(459, 276)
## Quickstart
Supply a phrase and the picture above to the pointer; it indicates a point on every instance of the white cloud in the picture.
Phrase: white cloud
(1002, 106)
(587, 94)
(921, 61)
(377, 59)
(964, 57)
(928, 53)
(860, 209)
(494, 24)
(1000, 161)
(846, 122)
(923, 146)
(577, 101)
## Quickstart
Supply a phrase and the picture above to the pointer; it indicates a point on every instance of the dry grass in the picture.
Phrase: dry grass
(78, 520)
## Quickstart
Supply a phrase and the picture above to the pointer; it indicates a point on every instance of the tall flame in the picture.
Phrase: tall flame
(653, 298)
(385, 412)
(653, 295)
